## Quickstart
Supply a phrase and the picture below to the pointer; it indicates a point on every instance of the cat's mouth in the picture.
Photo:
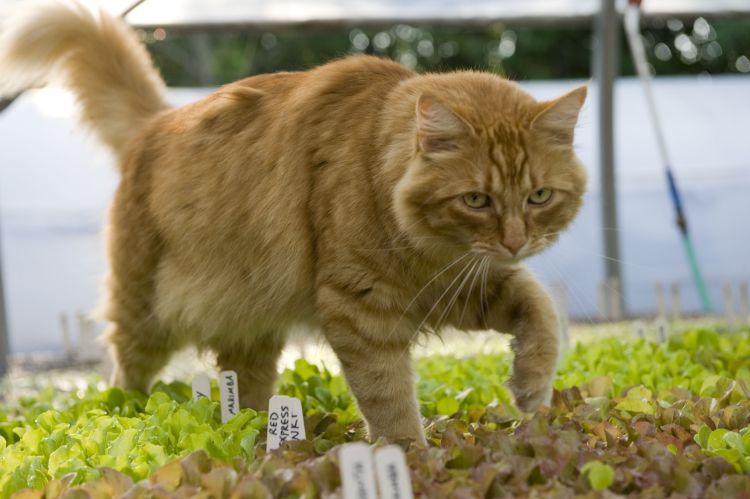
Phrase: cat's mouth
(503, 256)
(498, 254)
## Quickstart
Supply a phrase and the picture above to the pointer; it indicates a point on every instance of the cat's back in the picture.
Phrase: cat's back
(341, 100)
(302, 104)
(337, 80)
(346, 83)
(277, 106)
(261, 139)
(231, 178)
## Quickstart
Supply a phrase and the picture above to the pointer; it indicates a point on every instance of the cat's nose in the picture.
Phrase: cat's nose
(514, 235)
(514, 243)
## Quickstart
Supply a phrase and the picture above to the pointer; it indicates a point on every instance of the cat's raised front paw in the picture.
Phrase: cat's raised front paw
(529, 396)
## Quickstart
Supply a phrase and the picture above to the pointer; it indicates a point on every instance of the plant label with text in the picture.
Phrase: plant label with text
(229, 394)
(201, 387)
(286, 421)
(394, 480)
(357, 471)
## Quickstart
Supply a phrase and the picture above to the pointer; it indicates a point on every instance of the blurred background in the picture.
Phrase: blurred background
(56, 182)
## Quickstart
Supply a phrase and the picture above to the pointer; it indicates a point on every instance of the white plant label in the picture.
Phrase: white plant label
(394, 480)
(661, 331)
(201, 387)
(285, 421)
(357, 476)
(229, 394)
(297, 425)
(640, 329)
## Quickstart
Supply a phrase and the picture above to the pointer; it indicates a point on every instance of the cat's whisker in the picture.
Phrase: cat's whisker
(624, 262)
(436, 330)
(437, 302)
(446, 312)
(483, 293)
(394, 248)
(417, 221)
(578, 298)
(619, 260)
(421, 238)
(436, 276)
(548, 234)
(471, 288)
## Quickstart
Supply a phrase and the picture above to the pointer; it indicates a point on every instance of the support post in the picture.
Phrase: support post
(661, 301)
(4, 347)
(605, 71)
(728, 303)
(5, 102)
(676, 303)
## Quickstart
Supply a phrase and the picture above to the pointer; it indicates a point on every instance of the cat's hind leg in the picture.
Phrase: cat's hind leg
(140, 345)
(138, 356)
(255, 365)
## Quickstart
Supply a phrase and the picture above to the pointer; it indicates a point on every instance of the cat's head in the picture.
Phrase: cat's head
(492, 170)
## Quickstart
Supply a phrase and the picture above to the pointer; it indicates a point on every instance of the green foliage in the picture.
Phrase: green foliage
(638, 400)
(701, 361)
(214, 57)
(320, 391)
(56, 435)
(446, 387)
(630, 416)
(599, 475)
(733, 446)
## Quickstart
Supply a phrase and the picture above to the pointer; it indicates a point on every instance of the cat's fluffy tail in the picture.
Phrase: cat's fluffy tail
(96, 55)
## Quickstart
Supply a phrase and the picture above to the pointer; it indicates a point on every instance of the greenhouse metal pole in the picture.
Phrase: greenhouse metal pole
(605, 64)
(4, 348)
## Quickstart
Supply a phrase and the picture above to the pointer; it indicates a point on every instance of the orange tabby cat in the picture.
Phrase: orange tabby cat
(358, 198)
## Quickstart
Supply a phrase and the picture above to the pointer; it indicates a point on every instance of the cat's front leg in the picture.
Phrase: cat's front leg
(520, 306)
(377, 364)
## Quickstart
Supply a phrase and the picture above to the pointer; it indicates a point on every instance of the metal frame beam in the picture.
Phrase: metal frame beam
(4, 345)
(605, 64)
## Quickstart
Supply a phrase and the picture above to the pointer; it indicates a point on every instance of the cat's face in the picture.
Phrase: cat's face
(502, 186)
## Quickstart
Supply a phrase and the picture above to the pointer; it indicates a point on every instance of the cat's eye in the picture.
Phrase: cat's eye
(540, 196)
(476, 200)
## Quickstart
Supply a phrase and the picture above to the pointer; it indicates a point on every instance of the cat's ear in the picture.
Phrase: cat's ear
(438, 128)
(558, 117)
